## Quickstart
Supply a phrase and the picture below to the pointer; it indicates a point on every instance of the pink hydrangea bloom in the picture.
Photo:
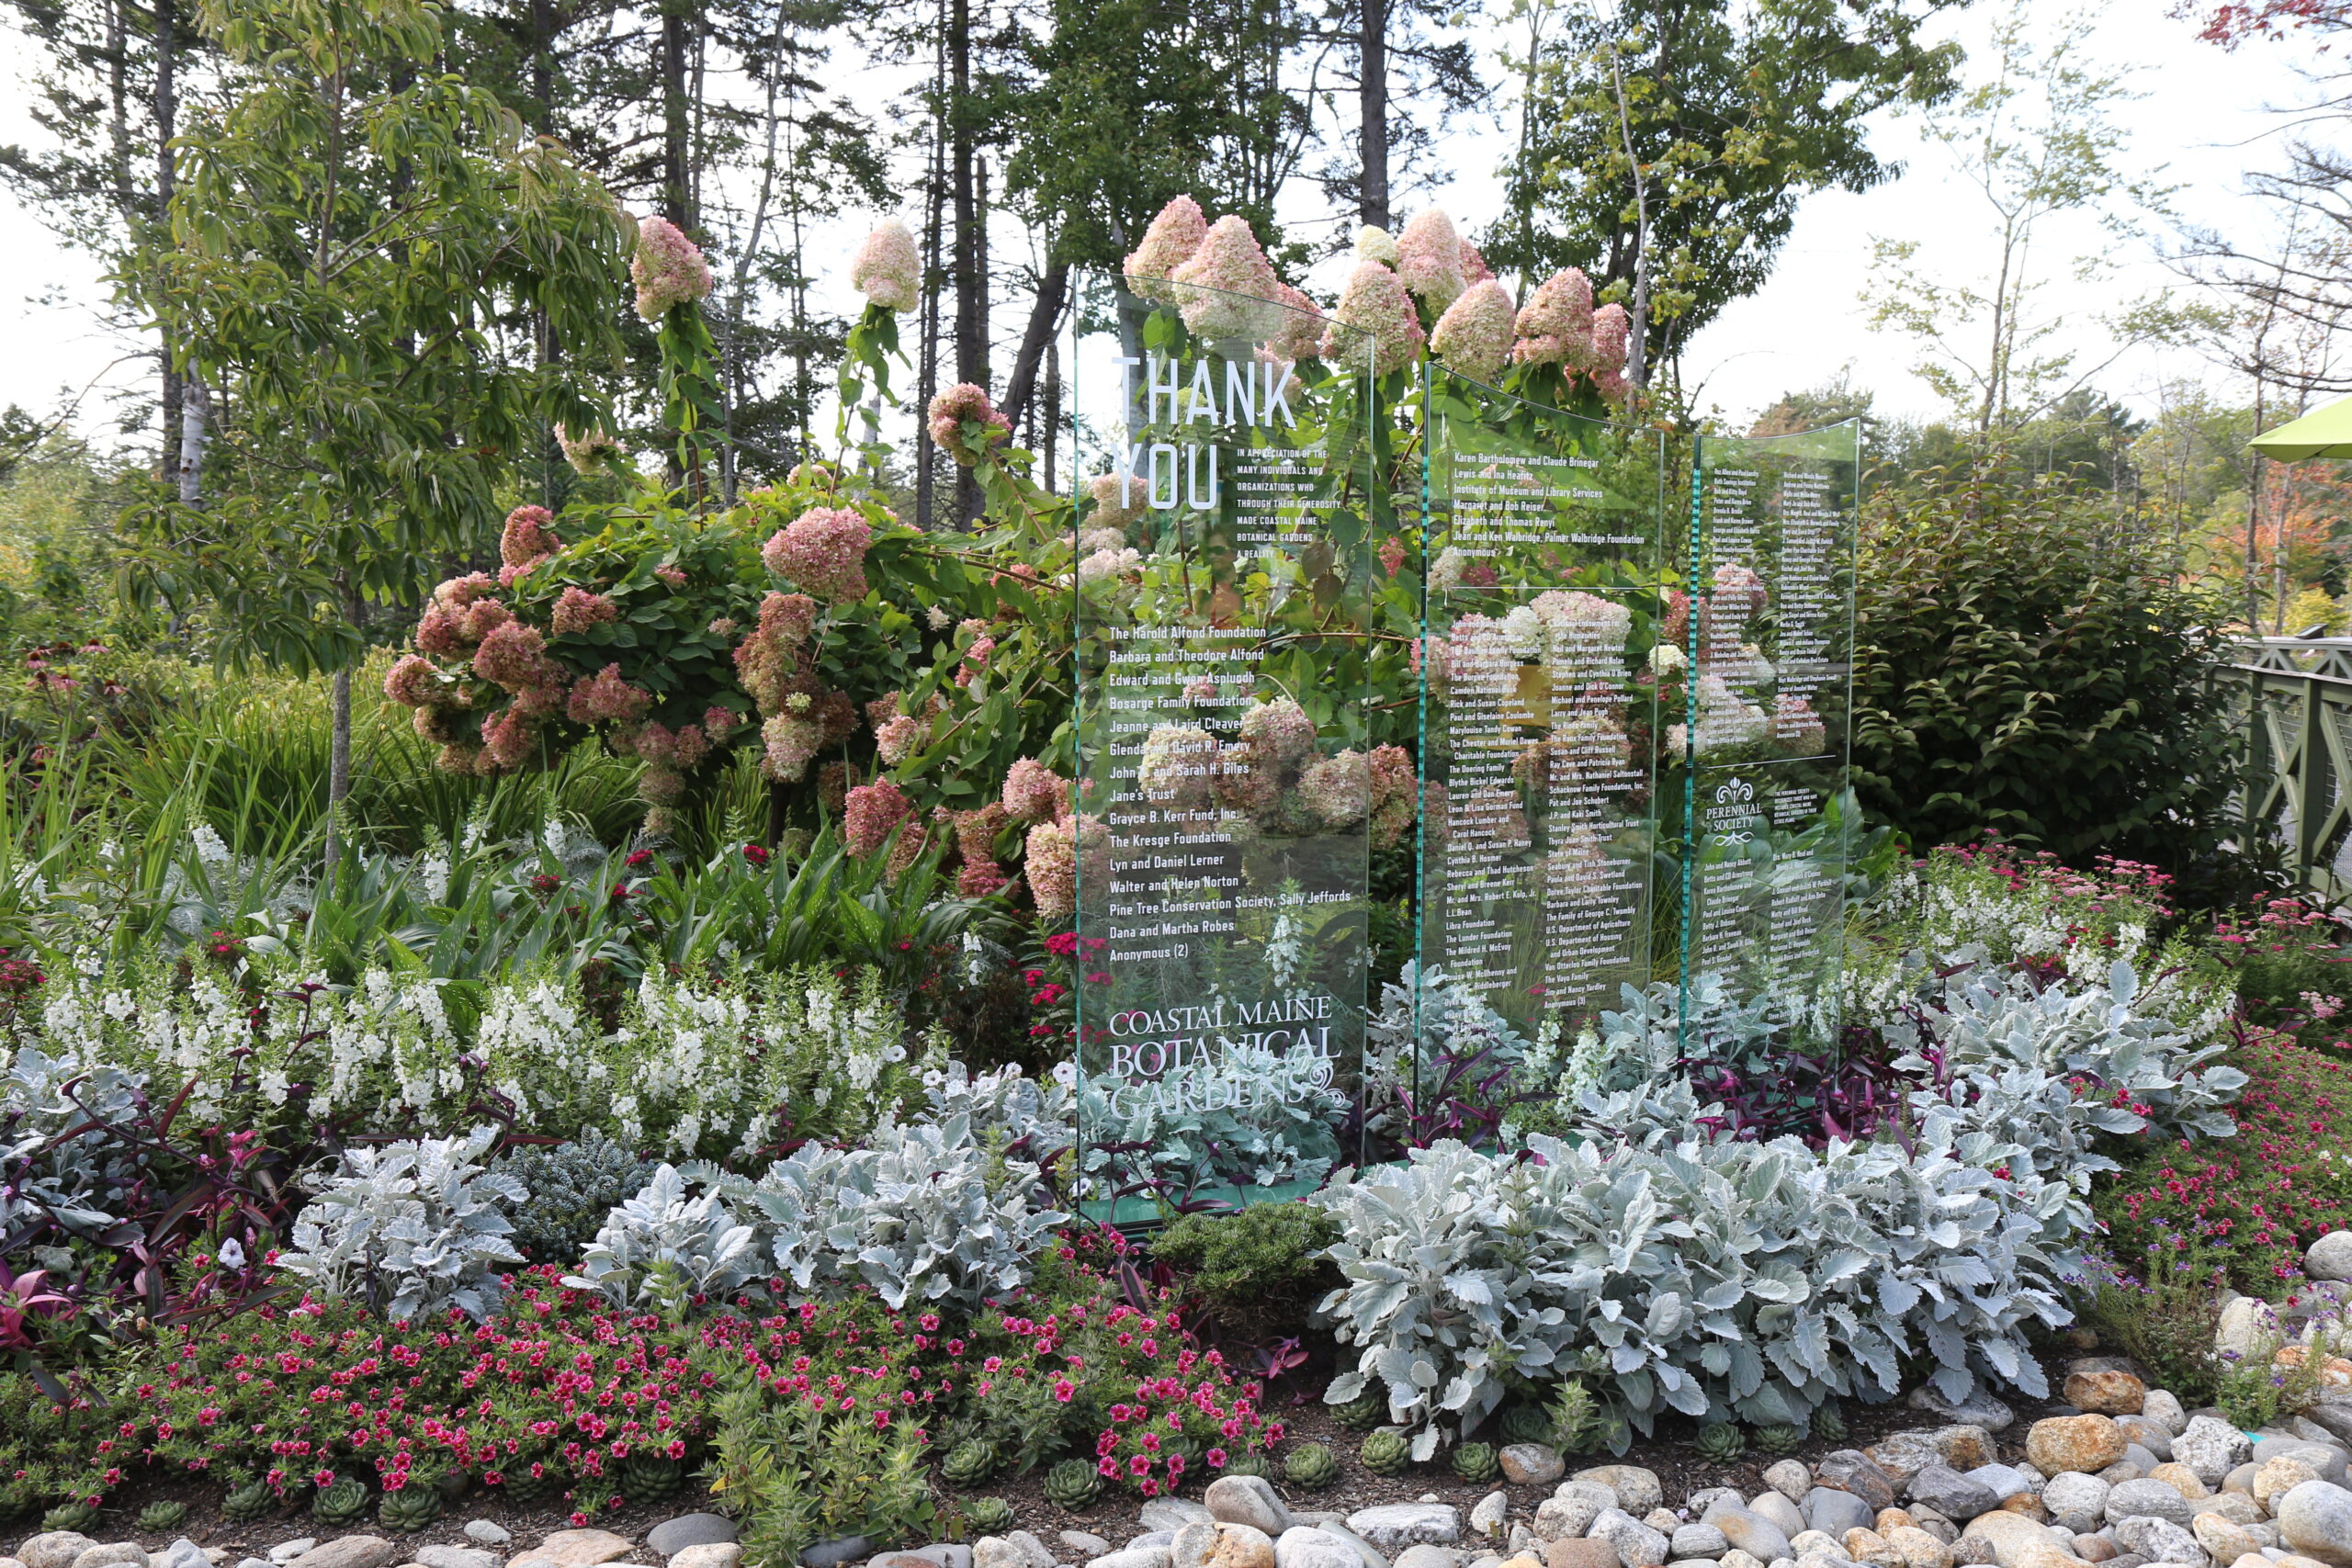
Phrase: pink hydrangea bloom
(1386, 328)
(1228, 261)
(886, 270)
(589, 452)
(1377, 243)
(1277, 731)
(1297, 332)
(1396, 794)
(1610, 328)
(1391, 555)
(668, 269)
(1474, 269)
(1168, 245)
(459, 592)
(576, 610)
(823, 550)
(605, 698)
(457, 757)
(981, 879)
(871, 815)
(1429, 259)
(510, 657)
(1612, 386)
(661, 784)
(1178, 765)
(413, 682)
(1116, 505)
(525, 540)
(675, 576)
(789, 744)
(788, 617)
(719, 721)
(894, 741)
(1034, 791)
(507, 739)
(1337, 789)
(1555, 326)
(440, 631)
(1473, 336)
(1050, 863)
(963, 404)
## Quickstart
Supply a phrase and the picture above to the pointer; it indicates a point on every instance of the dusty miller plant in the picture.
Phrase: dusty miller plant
(572, 1188)
(417, 1226)
(661, 1248)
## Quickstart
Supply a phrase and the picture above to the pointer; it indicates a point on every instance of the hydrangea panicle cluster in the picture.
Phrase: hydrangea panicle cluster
(1229, 261)
(887, 269)
(668, 269)
(822, 551)
(1168, 245)
(1383, 327)
(1555, 326)
(958, 406)
(1473, 336)
(1429, 259)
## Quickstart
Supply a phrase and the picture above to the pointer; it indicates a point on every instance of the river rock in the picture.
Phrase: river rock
(1247, 1500)
(2326, 1460)
(2159, 1540)
(2079, 1443)
(2142, 1433)
(2211, 1447)
(2001, 1538)
(2227, 1542)
(1491, 1515)
(1392, 1527)
(1952, 1494)
(2315, 1519)
(287, 1551)
(572, 1549)
(1979, 1409)
(1750, 1531)
(1781, 1510)
(1735, 1558)
(357, 1552)
(469, 1557)
(1697, 1540)
(1638, 1546)
(1301, 1546)
(2241, 1322)
(2149, 1500)
(54, 1548)
(1146, 1557)
(1835, 1511)
(1531, 1464)
(1638, 1489)
(1850, 1470)
(111, 1552)
(485, 1532)
(2330, 1258)
(2006, 1480)
(2277, 1478)
(1706, 1499)
(1568, 1512)
(1807, 1542)
(1581, 1553)
(2094, 1547)
(2183, 1480)
(2163, 1408)
(2106, 1393)
(1916, 1548)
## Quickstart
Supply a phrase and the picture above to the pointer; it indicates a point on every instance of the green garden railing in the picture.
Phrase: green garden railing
(2296, 724)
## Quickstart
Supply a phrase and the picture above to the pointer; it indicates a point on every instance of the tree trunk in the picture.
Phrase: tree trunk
(338, 775)
(967, 173)
(1045, 320)
(195, 407)
(1372, 105)
(542, 68)
(927, 370)
(677, 203)
(166, 107)
(1053, 420)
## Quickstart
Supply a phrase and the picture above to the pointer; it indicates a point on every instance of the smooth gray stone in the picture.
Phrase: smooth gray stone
(1304, 1546)
(483, 1533)
(2316, 1520)
(2004, 1480)
(1638, 1546)
(1781, 1509)
(1834, 1512)
(1392, 1527)
(1697, 1540)
(1750, 1531)
(832, 1553)
(2147, 1500)
(672, 1536)
(1952, 1494)
(1172, 1514)
(455, 1557)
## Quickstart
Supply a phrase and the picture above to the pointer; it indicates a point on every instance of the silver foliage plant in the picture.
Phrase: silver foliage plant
(662, 1247)
(1724, 1280)
(927, 1214)
(77, 1181)
(417, 1226)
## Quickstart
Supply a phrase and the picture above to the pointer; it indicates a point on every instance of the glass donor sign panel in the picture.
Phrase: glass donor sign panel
(1223, 576)
(1543, 612)
(1764, 719)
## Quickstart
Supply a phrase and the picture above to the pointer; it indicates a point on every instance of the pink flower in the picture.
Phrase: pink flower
(605, 698)
(507, 739)
(1473, 336)
(788, 617)
(510, 656)
(673, 575)
(1034, 791)
(1429, 259)
(1298, 329)
(1337, 789)
(788, 745)
(1116, 503)
(1392, 561)
(413, 682)
(1610, 327)
(1474, 269)
(896, 739)
(525, 540)
(960, 405)
(1228, 261)
(886, 270)
(981, 879)
(1387, 330)
(576, 610)
(872, 813)
(822, 550)
(668, 269)
(1555, 326)
(1168, 245)
(1396, 794)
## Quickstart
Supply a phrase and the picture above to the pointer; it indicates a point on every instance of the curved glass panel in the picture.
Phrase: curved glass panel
(1224, 572)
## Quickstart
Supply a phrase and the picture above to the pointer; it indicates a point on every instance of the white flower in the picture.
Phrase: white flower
(1523, 632)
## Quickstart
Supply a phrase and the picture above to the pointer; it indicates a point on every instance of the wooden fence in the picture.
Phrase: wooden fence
(2296, 721)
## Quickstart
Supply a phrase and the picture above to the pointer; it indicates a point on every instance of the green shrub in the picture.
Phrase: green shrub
(2023, 664)
(2164, 1316)
(1256, 1270)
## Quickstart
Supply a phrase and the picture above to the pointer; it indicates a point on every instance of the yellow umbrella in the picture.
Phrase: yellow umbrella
(2326, 433)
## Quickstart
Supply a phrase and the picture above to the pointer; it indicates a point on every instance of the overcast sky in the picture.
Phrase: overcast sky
(2205, 117)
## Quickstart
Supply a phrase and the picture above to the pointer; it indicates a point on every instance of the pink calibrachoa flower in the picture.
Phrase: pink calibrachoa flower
(576, 610)
(1555, 326)
(1034, 791)
(1168, 245)
(524, 539)
(668, 269)
(590, 452)
(872, 813)
(1473, 336)
(1387, 330)
(822, 550)
(1429, 259)
(605, 698)
(1229, 260)
(959, 405)
(888, 270)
